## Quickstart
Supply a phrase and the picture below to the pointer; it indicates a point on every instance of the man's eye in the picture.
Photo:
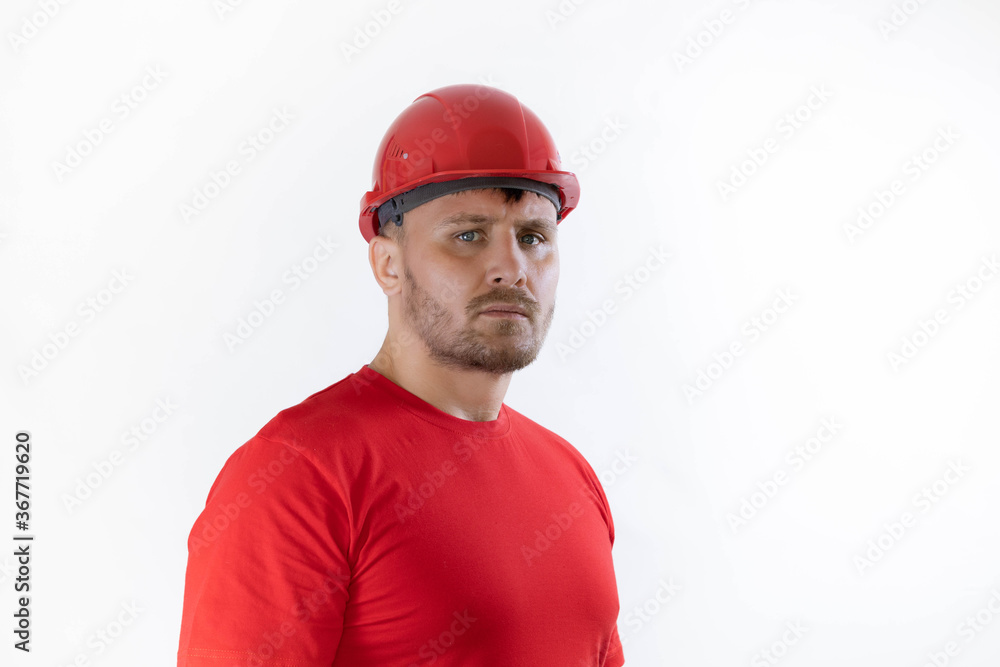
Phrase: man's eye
(467, 236)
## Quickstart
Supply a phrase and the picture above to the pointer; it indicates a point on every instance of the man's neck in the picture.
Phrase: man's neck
(463, 393)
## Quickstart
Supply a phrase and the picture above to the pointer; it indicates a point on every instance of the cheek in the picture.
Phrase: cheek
(448, 289)
(547, 275)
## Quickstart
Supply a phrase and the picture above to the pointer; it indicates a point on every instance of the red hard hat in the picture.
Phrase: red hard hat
(458, 138)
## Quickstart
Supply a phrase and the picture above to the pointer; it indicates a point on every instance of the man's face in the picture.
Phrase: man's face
(468, 254)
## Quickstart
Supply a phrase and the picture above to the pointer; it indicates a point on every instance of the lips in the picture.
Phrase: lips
(505, 308)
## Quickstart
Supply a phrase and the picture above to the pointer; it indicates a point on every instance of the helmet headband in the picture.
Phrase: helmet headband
(394, 208)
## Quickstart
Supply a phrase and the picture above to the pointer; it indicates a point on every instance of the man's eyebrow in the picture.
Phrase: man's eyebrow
(479, 219)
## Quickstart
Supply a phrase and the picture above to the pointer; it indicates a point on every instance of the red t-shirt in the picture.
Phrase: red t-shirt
(364, 526)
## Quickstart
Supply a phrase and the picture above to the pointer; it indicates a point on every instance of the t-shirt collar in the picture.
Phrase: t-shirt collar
(424, 410)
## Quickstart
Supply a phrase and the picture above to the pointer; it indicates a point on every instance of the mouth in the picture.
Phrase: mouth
(504, 310)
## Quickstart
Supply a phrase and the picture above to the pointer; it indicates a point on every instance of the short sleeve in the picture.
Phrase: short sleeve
(615, 657)
(595, 492)
(268, 573)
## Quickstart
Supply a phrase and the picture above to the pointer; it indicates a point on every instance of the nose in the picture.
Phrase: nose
(506, 263)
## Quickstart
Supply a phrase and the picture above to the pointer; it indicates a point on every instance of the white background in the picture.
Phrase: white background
(663, 130)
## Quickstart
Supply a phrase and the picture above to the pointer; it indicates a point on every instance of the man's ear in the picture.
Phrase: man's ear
(386, 259)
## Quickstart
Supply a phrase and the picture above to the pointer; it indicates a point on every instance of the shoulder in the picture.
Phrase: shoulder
(553, 443)
(556, 447)
(524, 426)
(324, 428)
(327, 417)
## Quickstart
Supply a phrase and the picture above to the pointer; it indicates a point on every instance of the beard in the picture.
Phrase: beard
(508, 345)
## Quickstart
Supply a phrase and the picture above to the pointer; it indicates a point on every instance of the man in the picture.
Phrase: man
(405, 515)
